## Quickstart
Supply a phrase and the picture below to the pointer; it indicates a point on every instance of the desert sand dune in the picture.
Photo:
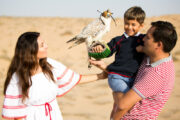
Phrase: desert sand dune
(91, 101)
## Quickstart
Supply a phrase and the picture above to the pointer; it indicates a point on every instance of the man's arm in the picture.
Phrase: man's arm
(125, 102)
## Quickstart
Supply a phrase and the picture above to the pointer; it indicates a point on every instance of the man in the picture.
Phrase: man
(155, 78)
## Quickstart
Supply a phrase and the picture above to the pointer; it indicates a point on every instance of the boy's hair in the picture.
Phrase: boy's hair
(135, 13)
(166, 33)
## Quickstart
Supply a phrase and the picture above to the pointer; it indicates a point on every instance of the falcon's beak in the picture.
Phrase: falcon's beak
(113, 19)
(110, 15)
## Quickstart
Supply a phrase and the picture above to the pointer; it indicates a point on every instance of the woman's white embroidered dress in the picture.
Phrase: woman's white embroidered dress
(41, 104)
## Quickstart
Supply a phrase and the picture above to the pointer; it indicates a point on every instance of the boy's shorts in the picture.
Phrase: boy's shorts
(119, 83)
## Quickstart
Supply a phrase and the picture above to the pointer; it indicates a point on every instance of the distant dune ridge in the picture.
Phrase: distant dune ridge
(91, 101)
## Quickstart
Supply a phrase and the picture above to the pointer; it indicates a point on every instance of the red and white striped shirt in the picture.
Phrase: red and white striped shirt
(154, 83)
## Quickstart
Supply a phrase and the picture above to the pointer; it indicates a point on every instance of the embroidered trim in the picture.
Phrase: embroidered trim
(65, 71)
(71, 88)
(70, 80)
(19, 117)
(14, 107)
(13, 97)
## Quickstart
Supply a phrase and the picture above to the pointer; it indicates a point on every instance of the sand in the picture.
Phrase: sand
(92, 101)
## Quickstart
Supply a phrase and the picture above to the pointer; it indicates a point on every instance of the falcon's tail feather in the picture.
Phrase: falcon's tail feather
(76, 42)
(71, 40)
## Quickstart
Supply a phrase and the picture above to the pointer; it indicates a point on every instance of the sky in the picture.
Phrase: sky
(85, 8)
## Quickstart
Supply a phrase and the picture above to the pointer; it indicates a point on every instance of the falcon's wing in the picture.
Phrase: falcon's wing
(93, 28)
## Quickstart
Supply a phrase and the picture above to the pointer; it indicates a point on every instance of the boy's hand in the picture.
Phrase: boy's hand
(139, 48)
(97, 49)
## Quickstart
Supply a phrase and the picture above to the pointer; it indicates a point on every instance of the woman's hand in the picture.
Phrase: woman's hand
(93, 77)
(102, 75)
(99, 63)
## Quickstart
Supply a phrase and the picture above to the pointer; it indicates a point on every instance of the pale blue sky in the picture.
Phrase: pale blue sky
(84, 8)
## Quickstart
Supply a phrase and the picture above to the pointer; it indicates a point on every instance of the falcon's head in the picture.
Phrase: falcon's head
(107, 14)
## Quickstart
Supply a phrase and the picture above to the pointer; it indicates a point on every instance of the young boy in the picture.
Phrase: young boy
(122, 71)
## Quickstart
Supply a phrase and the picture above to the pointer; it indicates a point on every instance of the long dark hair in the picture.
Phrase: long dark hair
(25, 62)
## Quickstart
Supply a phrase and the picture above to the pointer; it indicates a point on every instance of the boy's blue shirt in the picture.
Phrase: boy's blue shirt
(127, 59)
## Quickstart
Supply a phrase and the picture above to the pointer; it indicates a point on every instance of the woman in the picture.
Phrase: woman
(34, 81)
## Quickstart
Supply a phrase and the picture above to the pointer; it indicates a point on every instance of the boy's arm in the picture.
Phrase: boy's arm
(113, 45)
